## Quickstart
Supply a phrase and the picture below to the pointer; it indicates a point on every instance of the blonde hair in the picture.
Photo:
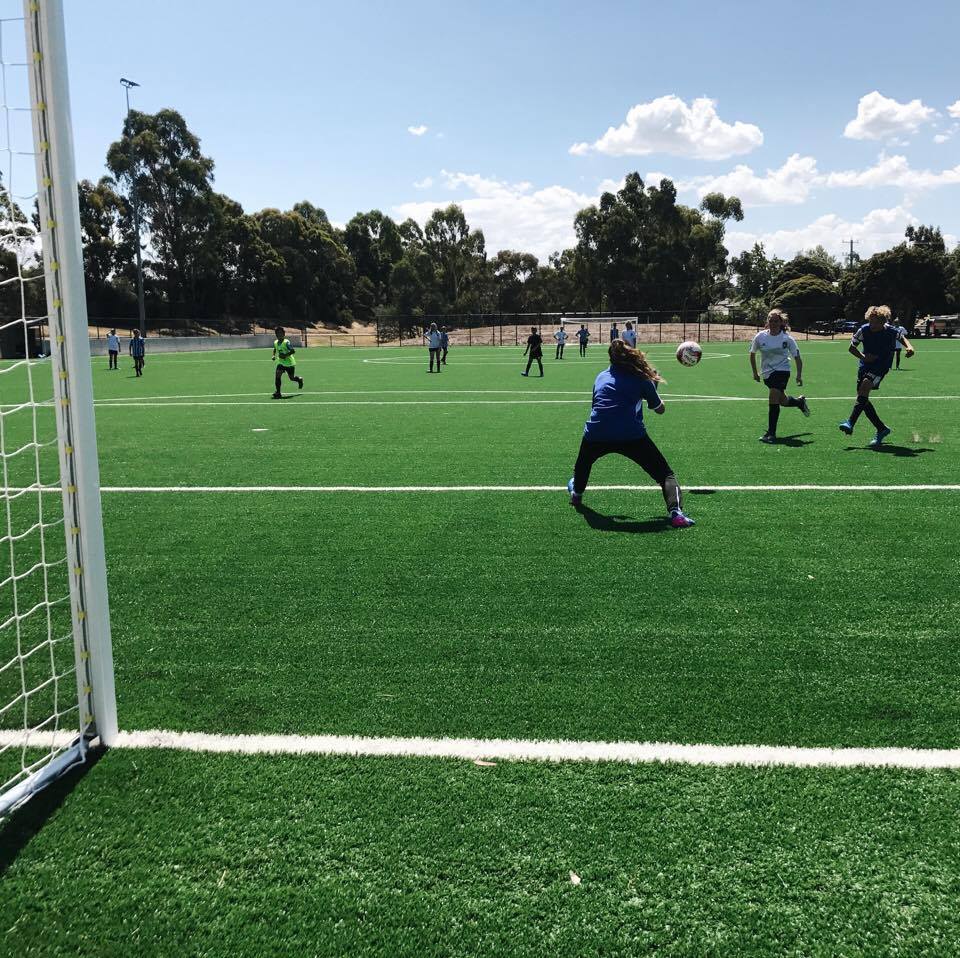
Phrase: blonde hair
(626, 357)
(882, 311)
(780, 314)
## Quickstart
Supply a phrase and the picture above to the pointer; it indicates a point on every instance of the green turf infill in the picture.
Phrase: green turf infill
(775, 621)
(164, 852)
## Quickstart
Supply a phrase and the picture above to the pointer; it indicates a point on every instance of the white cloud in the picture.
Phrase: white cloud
(790, 184)
(668, 125)
(942, 137)
(894, 171)
(511, 215)
(423, 184)
(417, 130)
(954, 110)
(878, 230)
(881, 118)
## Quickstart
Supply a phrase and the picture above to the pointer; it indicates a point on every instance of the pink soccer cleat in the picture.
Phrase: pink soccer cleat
(679, 521)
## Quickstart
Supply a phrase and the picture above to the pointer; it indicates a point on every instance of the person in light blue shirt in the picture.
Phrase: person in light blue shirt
(616, 426)
(434, 341)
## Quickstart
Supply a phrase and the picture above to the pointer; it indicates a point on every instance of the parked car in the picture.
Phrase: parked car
(940, 325)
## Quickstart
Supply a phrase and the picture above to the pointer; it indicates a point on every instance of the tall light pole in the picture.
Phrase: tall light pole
(136, 223)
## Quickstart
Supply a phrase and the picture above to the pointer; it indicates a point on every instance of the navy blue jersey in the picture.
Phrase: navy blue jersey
(444, 341)
(618, 397)
(583, 335)
(880, 344)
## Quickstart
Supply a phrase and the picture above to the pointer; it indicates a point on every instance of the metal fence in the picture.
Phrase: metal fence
(512, 329)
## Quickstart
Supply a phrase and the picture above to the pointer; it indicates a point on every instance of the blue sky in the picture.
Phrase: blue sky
(829, 120)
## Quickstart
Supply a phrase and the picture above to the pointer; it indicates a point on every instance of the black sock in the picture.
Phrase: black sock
(858, 407)
(871, 412)
(773, 417)
(791, 401)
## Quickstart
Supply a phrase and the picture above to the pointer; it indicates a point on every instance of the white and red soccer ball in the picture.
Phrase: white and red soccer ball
(689, 353)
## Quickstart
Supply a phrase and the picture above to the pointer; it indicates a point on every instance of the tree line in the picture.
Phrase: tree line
(207, 260)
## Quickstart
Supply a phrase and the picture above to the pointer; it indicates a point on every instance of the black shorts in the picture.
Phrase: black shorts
(642, 451)
(777, 380)
(873, 376)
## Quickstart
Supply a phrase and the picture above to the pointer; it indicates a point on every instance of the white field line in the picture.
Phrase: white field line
(584, 398)
(809, 487)
(519, 750)
(294, 399)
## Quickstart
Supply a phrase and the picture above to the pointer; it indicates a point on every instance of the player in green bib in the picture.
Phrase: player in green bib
(283, 354)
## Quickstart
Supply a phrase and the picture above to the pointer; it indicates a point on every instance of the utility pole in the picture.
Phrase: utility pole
(851, 254)
(141, 308)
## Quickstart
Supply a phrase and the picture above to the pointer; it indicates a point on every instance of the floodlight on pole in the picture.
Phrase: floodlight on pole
(141, 307)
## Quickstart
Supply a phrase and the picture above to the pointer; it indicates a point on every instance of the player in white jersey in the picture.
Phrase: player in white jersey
(777, 347)
(901, 339)
(561, 337)
(629, 335)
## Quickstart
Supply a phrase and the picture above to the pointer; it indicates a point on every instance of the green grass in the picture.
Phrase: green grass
(803, 618)
(169, 853)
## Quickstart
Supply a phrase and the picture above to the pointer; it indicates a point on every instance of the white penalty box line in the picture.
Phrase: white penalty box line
(518, 750)
(695, 488)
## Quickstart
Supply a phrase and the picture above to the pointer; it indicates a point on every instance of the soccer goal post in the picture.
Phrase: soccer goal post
(56, 662)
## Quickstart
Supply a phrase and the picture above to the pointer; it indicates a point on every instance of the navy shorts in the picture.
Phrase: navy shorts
(873, 376)
(777, 380)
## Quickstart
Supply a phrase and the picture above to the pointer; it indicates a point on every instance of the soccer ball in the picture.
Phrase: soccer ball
(689, 353)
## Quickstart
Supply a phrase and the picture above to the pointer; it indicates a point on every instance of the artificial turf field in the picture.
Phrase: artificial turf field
(785, 617)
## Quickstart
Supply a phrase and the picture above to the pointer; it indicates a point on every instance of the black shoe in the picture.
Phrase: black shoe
(804, 407)
(277, 396)
(768, 438)
(300, 383)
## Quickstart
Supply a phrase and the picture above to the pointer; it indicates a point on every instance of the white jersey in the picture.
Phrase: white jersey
(113, 343)
(901, 334)
(433, 338)
(629, 336)
(560, 336)
(775, 351)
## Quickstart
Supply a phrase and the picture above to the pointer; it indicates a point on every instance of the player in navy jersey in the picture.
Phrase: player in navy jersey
(583, 334)
(879, 344)
(616, 425)
(535, 350)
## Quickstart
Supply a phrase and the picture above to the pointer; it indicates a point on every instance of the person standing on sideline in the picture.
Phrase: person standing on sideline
(283, 354)
(629, 335)
(583, 334)
(777, 347)
(433, 340)
(561, 337)
(879, 344)
(444, 344)
(901, 339)
(616, 426)
(113, 348)
(137, 349)
(535, 349)
(614, 332)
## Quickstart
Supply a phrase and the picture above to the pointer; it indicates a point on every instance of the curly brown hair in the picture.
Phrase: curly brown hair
(636, 362)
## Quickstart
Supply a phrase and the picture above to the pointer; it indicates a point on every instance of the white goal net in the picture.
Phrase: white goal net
(56, 672)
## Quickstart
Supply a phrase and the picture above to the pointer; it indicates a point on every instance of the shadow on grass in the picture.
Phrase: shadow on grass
(795, 441)
(27, 820)
(622, 523)
(890, 450)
